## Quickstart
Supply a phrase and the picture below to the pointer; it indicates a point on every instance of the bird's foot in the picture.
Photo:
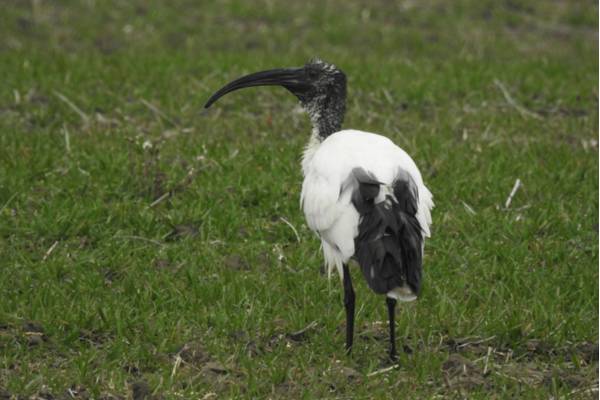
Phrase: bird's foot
(389, 360)
(348, 350)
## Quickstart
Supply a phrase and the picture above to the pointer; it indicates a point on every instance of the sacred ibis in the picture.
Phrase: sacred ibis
(363, 195)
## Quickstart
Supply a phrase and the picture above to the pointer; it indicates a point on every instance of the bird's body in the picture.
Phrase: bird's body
(327, 190)
(362, 194)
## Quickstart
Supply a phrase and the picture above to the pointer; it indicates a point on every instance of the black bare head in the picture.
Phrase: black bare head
(320, 87)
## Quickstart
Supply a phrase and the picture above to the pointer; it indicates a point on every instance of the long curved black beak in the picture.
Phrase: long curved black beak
(293, 79)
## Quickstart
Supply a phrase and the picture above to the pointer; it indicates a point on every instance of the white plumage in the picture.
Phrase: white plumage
(329, 210)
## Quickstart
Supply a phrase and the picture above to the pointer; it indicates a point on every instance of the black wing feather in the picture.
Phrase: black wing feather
(388, 246)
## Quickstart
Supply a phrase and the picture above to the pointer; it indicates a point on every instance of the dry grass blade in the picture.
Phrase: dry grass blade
(487, 359)
(67, 139)
(176, 365)
(383, 371)
(158, 112)
(302, 333)
(522, 110)
(516, 187)
(50, 250)
(465, 344)
(84, 117)
(288, 223)
(469, 209)
(590, 390)
(160, 199)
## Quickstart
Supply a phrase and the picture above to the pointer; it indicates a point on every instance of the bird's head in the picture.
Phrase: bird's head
(320, 87)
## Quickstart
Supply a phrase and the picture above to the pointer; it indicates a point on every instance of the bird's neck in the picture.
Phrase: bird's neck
(325, 125)
(325, 120)
(326, 116)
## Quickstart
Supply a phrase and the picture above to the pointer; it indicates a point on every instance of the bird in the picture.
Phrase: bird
(362, 195)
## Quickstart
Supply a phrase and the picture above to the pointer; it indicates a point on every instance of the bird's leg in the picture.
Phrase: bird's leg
(391, 306)
(349, 304)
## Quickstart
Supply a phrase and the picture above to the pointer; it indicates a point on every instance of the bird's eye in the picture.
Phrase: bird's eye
(312, 74)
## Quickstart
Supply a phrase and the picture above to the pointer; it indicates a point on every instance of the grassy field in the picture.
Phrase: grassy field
(145, 250)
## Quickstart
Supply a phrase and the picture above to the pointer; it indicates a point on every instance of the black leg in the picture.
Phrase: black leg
(391, 305)
(349, 304)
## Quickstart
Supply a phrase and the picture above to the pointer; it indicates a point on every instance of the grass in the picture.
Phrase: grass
(107, 292)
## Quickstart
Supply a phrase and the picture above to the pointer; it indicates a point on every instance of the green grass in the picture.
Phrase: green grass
(196, 296)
